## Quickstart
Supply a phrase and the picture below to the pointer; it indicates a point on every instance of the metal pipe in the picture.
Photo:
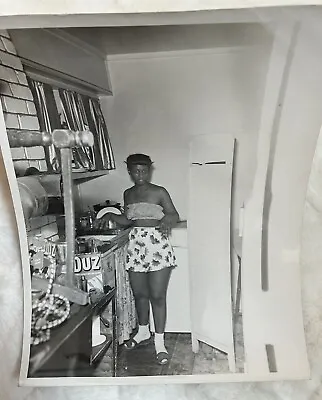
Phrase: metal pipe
(66, 164)
(65, 140)
(60, 138)
(19, 138)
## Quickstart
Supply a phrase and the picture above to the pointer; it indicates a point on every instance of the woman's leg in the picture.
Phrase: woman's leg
(158, 285)
(140, 288)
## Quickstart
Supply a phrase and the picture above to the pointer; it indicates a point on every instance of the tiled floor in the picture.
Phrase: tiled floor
(141, 361)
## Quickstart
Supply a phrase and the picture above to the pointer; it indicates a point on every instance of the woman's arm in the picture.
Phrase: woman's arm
(171, 216)
(120, 219)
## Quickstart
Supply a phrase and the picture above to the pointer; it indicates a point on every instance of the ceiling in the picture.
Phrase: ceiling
(145, 39)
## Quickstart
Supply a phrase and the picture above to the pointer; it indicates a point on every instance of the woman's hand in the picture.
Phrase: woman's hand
(102, 223)
(171, 216)
(166, 224)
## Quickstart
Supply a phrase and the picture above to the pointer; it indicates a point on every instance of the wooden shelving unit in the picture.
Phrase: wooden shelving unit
(69, 351)
(89, 175)
(78, 176)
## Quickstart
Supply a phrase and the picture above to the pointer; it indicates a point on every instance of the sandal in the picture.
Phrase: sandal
(163, 358)
(133, 344)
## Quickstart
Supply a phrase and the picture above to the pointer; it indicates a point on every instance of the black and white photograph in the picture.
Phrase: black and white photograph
(158, 172)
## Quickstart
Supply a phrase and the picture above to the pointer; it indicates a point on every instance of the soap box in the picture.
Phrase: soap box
(88, 270)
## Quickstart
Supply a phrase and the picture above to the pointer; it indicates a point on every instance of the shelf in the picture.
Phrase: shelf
(88, 175)
(100, 350)
(41, 353)
(77, 177)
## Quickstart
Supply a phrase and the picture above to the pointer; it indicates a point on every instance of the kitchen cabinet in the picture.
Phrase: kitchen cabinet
(114, 274)
(210, 181)
(54, 54)
(108, 269)
(178, 296)
(69, 352)
(178, 299)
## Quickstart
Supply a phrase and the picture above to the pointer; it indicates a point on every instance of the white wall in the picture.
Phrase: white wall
(162, 100)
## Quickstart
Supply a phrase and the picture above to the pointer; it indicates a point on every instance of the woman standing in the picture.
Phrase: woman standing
(148, 208)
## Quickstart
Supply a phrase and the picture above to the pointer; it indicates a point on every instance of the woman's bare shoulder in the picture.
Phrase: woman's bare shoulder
(128, 192)
(160, 190)
(157, 188)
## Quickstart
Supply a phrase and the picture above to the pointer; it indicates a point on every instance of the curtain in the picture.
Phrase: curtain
(100, 129)
(76, 120)
(125, 303)
(67, 109)
(48, 117)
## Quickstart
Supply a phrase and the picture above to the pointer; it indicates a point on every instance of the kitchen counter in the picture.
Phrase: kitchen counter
(111, 240)
(179, 235)
(181, 225)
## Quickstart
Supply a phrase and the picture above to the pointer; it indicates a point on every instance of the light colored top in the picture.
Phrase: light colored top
(144, 211)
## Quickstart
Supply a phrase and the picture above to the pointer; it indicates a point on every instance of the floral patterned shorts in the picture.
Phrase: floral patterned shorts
(149, 250)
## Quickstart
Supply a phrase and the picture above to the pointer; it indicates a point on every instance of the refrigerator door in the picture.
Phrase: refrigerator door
(210, 184)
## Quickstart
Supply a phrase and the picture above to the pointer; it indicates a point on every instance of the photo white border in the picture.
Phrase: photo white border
(23, 244)
(70, 381)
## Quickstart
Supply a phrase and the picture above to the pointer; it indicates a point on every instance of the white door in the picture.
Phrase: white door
(211, 163)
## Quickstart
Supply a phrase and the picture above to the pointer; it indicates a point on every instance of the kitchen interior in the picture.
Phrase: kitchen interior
(190, 96)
